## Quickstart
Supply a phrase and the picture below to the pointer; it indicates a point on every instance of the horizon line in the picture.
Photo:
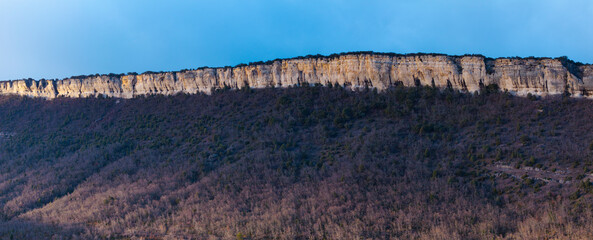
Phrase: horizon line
(309, 56)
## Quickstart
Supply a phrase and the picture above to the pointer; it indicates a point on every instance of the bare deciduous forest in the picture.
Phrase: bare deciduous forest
(298, 163)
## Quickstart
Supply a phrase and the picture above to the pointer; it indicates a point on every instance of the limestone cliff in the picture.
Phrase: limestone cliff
(541, 76)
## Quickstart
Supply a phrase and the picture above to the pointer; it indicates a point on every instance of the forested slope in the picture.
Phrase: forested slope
(298, 163)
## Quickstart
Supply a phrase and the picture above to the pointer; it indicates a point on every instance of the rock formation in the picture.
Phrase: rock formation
(541, 76)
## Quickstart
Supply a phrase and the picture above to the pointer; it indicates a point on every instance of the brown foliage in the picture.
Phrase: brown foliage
(297, 163)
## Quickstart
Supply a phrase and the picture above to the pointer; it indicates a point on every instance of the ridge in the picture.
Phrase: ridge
(521, 76)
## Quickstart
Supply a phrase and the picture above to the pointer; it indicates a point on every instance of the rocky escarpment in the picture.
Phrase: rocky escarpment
(541, 76)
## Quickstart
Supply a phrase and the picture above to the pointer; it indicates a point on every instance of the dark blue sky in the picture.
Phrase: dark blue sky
(61, 38)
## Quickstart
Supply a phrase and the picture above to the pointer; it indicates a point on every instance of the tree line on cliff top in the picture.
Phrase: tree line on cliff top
(572, 66)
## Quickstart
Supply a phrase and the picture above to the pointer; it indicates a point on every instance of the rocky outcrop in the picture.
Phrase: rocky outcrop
(541, 76)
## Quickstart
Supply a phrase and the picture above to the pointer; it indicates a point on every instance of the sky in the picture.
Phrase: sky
(63, 38)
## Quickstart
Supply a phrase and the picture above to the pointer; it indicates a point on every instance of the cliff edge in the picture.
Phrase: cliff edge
(540, 76)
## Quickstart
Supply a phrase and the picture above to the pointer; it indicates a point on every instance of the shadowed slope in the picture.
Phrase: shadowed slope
(301, 163)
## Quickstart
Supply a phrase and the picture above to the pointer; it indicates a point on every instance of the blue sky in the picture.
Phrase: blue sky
(61, 38)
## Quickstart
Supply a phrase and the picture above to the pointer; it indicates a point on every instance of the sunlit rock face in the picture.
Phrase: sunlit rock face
(541, 76)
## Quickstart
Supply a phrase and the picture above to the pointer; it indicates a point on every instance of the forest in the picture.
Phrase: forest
(307, 162)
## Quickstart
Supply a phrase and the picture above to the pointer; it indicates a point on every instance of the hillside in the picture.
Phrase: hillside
(298, 163)
(467, 73)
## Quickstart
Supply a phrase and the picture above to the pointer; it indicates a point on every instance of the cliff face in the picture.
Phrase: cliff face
(540, 76)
